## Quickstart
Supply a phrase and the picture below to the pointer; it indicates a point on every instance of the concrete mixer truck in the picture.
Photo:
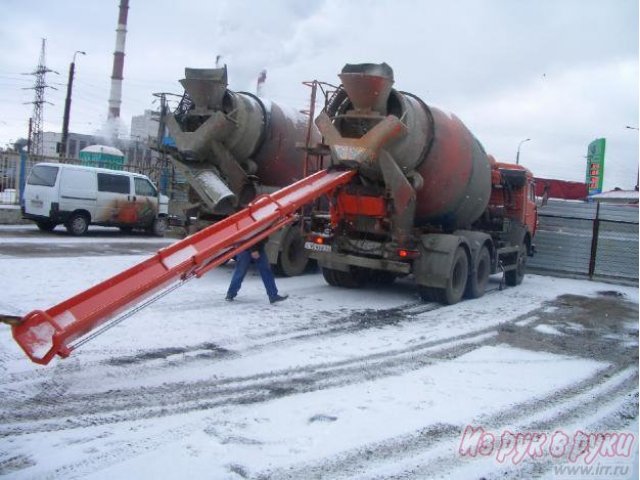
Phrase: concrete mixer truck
(232, 146)
(428, 201)
(411, 193)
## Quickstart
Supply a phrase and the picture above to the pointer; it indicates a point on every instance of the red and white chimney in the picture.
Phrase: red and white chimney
(115, 97)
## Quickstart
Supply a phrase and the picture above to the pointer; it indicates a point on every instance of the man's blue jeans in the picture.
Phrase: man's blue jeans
(243, 260)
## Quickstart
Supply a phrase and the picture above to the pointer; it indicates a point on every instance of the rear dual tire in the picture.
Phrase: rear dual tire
(456, 283)
(515, 277)
(479, 277)
(354, 278)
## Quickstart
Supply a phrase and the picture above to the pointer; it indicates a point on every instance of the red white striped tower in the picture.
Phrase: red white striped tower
(115, 97)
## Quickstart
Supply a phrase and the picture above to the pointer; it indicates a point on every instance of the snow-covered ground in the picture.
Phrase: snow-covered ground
(331, 383)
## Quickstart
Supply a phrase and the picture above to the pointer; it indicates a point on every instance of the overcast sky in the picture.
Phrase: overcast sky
(561, 72)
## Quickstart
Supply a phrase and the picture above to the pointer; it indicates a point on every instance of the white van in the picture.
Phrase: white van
(58, 193)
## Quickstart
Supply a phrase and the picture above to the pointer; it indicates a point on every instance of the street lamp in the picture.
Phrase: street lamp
(67, 106)
(518, 154)
(638, 176)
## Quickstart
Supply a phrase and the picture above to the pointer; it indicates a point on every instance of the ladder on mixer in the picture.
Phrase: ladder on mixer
(44, 334)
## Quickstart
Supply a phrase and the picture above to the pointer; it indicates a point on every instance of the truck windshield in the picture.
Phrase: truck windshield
(44, 175)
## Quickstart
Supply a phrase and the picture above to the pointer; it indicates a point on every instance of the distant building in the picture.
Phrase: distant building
(136, 150)
(617, 196)
(145, 125)
(77, 141)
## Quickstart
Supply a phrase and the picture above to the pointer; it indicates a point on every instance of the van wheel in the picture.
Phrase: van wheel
(78, 224)
(158, 228)
(46, 226)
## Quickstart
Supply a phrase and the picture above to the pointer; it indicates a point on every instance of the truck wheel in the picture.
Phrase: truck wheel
(380, 277)
(293, 259)
(327, 273)
(477, 282)
(430, 294)
(158, 228)
(514, 277)
(457, 280)
(336, 278)
(46, 226)
(78, 224)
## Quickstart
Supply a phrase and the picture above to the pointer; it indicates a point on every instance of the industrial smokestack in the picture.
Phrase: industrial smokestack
(260, 84)
(115, 97)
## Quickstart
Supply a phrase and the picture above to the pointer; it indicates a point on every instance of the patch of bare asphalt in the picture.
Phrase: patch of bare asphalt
(80, 249)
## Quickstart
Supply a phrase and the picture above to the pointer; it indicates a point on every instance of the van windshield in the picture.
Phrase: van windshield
(44, 175)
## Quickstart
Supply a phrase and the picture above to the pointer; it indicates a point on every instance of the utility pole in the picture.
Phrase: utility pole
(638, 171)
(30, 136)
(162, 123)
(35, 135)
(67, 106)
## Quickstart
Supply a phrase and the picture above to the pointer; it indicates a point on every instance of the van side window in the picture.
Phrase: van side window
(144, 187)
(113, 183)
(44, 175)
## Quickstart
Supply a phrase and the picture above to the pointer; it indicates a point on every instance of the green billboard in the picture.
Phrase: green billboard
(595, 165)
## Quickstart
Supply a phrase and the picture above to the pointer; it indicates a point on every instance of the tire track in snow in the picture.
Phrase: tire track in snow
(34, 415)
(356, 462)
(355, 320)
(143, 403)
(138, 361)
(123, 405)
(583, 399)
(566, 413)
(148, 402)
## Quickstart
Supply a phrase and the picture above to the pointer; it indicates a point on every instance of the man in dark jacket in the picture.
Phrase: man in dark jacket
(257, 255)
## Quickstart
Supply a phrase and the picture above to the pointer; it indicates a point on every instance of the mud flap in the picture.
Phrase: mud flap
(437, 251)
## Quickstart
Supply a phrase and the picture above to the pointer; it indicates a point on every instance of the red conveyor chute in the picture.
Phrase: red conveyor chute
(44, 334)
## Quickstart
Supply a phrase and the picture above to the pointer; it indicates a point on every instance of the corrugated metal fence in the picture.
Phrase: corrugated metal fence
(598, 241)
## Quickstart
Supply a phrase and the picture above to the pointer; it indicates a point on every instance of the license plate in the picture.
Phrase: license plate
(317, 247)
(37, 203)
